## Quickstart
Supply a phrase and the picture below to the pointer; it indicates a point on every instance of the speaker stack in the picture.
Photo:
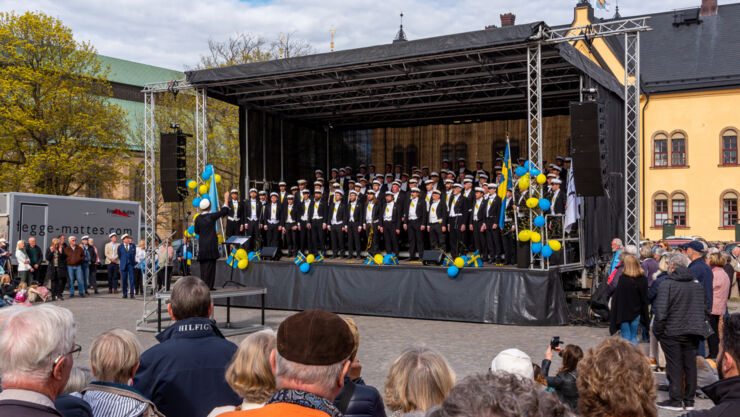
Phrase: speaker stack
(173, 172)
(588, 143)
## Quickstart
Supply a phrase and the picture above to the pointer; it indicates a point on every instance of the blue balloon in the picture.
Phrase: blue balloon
(465, 258)
(452, 271)
(191, 230)
(536, 247)
(527, 165)
(520, 171)
(305, 267)
(196, 236)
(544, 204)
(209, 169)
(250, 255)
(205, 175)
(547, 251)
(196, 202)
(189, 255)
(539, 221)
(387, 259)
(534, 172)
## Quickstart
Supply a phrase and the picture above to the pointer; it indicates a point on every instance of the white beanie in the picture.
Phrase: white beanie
(513, 361)
(205, 203)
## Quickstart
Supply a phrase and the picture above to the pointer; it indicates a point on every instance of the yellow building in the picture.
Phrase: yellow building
(690, 80)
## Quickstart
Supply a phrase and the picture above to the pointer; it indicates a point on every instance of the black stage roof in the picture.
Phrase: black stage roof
(478, 75)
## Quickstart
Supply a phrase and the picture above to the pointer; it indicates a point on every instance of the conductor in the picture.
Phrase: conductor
(205, 227)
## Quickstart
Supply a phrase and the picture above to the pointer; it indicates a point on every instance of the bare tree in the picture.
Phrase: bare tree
(287, 46)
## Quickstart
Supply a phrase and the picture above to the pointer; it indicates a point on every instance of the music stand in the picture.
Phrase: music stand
(239, 241)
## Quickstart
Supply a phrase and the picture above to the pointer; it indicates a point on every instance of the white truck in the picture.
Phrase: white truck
(48, 216)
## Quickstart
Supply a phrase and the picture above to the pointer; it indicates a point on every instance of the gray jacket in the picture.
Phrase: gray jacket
(681, 306)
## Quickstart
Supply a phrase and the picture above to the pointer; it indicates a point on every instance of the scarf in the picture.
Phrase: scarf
(305, 399)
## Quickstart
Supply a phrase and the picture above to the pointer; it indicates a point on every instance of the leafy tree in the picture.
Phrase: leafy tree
(58, 130)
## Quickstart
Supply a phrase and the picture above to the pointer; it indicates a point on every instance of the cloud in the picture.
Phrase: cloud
(174, 34)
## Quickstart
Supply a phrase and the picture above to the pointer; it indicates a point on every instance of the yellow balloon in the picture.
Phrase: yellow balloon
(536, 237)
(502, 190)
(459, 262)
(218, 178)
(532, 202)
(190, 262)
(555, 245)
(203, 189)
(525, 235)
(241, 254)
(310, 258)
(524, 183)
(541, 179)
(220, 238)
(243, 264)
(192, 184)
(378, 258)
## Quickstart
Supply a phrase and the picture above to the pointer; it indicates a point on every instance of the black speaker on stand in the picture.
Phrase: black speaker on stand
(587, 132)
(172, 167)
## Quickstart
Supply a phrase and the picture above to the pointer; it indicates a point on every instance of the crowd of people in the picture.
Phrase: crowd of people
(678, 297)
(456, 210)
(310, 367)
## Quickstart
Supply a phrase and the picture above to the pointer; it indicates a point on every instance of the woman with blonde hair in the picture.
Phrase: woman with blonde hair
(629, 305)
(419, 379)
(24, 264)
(721, 293)
(250, 374)
(56, 272)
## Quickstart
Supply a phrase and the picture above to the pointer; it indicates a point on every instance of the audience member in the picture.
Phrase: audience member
(114, 358)
(679, 324)
(725, 393)
(419, 379)
(629, 305)
(660, 275)
(74, 256)
(720, 295)
(250, 374)
(36, 257)
(309, 363)
(357, 399)
(7, 289)
(513, 361)
(94, 264)
(649, 262)
(112, 263)
(56, 271)
(184, 374)
(36, 357)
(500, 395)
(24, 264)
(616, 251)
(615, 380)
(564, 383)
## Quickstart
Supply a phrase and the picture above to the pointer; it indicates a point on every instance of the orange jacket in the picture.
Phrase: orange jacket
(277, 409)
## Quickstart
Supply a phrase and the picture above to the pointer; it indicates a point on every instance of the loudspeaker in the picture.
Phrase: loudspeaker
(432, 257)
(587, 132)
(271, 253)
(172, 168)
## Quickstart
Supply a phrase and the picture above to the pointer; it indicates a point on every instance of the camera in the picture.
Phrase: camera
(555, 342)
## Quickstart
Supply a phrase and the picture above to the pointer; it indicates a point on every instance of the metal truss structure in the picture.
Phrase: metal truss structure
(534, 132)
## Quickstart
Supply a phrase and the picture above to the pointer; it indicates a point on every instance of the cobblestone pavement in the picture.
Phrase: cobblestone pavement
(469, 347)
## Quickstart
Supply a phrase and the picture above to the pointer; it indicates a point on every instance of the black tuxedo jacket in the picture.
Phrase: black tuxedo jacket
(420, 208)
(247, 206)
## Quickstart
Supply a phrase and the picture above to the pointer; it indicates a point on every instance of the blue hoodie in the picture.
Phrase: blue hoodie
(184, 375)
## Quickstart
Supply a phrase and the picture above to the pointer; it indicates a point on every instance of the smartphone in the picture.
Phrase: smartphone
(555, 342)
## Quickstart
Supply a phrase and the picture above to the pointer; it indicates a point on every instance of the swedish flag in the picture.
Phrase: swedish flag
(299, 259)
(231, 260)
(320, 258)
(255, 256)
(475, 260)
(369, 260)
(394, 260)
(447, 261)
(506, 179)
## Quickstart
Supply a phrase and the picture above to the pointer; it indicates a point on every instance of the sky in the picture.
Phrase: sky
(174, 34)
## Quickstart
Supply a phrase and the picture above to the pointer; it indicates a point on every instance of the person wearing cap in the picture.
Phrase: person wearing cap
(319, 174)
(127, 255)
(317, 222)
(74, 255)
(282, 192)
(479, 170)
(462, 167)
(111, 262)
(391, 224)
(377, 186)
(205, 228)
(458, 219)
(445, 165)
(482, 178)
(87, 263)
(477, 222)
(315, 340)
(404, 182)
(508, 233)
(399, 196)
(386, 187)
(436, 220)
(469, 196)
(414, 223)
(304, 231)
(272, 226)
(493, 234)
(289, 222)
(397, 172)
(337, 223)
(354, 225)
(233, 220)
(370, 221)
(298, 195)
(251, 219)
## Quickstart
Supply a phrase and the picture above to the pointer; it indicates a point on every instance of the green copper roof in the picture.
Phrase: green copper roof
(134, 73)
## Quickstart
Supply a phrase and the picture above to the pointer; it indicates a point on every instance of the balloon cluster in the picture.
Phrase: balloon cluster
(525, 173)
(242, 258)
(457, 265)
(202, 190)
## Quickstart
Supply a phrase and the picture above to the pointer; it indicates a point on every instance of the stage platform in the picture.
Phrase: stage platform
(499, 295)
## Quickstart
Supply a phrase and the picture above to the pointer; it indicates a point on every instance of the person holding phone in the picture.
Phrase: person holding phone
(564, 382)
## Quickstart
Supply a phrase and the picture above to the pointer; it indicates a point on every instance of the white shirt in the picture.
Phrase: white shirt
(478, 202)
(466, 193)
(306, 206)
(552, 206)
(388, 215)
(253, 213)
(335, 212)
(369, 213)
(404, 186)
(273, 212)
(235, 203)
(289, 217)
(433, 212)
(412, 208)
(282, 195)
(452, 206)
(352, 206)
(316, 206)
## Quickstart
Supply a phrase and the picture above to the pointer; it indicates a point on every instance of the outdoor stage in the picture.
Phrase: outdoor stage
(498, 295)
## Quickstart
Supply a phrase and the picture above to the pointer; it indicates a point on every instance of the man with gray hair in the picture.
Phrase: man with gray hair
(36, 357)
(184, 374)
(616, 251)
(309, 363)
(680, 313)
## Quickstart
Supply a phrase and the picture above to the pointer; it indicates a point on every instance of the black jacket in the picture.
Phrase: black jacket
(356, 217)
(365, 401)
(266, 213)
(377, 207)
(295, 214)
(461, 208)
(25, 409)
(36, 251)
(558, 203)
(493, 210)
(653, 290)
(482, 208)
(205, 228)
(629, 301)
(71, 406)
(247, 210)
(419, 208)
(395, 216)
(564, 384)
(441, 213)
(314, 206)
(341, 214)
(681, 306)
(725, 394)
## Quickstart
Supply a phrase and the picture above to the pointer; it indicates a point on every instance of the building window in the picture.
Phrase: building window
(461, 151)
(729, 147)
(660, 150)
(661, 210)
(678, 210)
(412, 157)
(446, 153)
(678, 150)
(729, 209)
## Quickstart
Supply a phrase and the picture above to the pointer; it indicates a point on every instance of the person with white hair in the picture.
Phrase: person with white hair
(616, 251)
(37, 352)
(205, 228)
(24, 264)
